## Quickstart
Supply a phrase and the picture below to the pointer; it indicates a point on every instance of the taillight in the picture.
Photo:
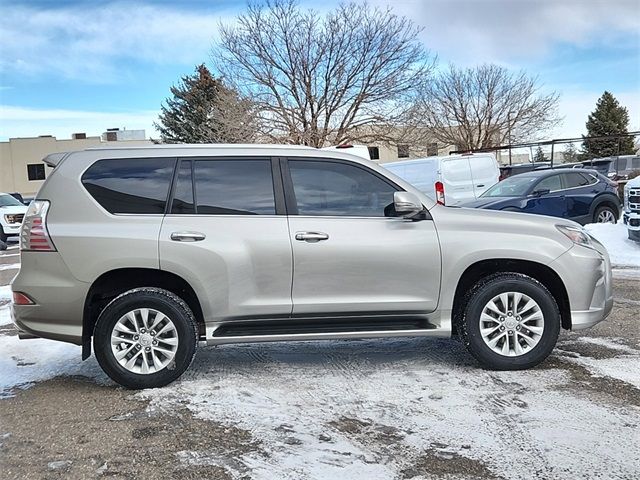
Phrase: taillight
(440, 193)
(34, 235)
(20, 298)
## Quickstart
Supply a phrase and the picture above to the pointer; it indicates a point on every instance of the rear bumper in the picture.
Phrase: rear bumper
(586, 274)
(59, 298)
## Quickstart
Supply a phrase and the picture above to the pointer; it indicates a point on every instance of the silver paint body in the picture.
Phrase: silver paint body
(253, 266)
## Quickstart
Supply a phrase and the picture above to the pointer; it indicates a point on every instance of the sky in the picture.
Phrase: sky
(84, 66)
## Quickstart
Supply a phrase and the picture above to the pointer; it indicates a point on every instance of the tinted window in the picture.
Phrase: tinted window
(635, 163)
(183, 193)
(130, 185)
(590, 178)
(234, 187)
(550, 183)
(572, 180)
(329, 188)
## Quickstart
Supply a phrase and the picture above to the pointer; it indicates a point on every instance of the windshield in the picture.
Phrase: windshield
(516, 186)
(9, 201)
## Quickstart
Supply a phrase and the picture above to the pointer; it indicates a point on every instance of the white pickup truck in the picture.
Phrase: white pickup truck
(11, 214)
(631, 213)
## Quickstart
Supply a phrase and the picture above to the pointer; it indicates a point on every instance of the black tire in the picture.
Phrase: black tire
(3, 246)
(604, 208)
(165, 302)
(3, 236)
(481, 294)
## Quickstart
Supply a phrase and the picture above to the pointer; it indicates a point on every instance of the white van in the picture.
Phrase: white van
(451, 180)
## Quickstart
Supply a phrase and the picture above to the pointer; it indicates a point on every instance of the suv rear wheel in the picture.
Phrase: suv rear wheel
(510, 322)
(605, 214)
(145, 338)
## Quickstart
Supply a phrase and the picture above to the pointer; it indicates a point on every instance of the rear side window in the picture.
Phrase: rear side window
(138, 185)
(573, 180)
(234, 187)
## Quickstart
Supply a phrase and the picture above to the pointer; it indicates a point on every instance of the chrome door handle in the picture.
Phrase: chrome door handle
(187, 236)
(311, 236)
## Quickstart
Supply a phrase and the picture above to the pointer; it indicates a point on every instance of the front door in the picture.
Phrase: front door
(351, 255)
(548, 198)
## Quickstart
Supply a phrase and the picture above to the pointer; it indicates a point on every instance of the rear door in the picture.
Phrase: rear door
(351, 256)
(455, 175)
(580, 189)
(226, 233)
(485, 173)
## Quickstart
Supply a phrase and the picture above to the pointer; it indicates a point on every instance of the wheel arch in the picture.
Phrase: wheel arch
(114, 282)
(544, 274)
(605, 200)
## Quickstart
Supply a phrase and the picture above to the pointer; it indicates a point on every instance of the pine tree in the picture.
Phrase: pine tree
(539, 156)
(203, 110)
(609, 118)
(570, 153)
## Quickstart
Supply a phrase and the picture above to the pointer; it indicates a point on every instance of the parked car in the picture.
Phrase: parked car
(149, 251)
(11, 213)
(583, 196)
(631, 215)
(507, 171)
(615, 168)
(451, 180)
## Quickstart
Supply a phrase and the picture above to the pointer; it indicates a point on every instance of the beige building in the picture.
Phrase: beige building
(21, 167)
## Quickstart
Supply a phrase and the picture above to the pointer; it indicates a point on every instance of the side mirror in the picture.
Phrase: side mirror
(407, 204)
(539, 193)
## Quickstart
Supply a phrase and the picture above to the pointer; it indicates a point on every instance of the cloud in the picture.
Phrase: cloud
(24, 122)
(506, 31)
(95, 41)
(576, 105)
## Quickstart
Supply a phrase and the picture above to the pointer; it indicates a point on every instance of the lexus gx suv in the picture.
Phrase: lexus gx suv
(145, 253)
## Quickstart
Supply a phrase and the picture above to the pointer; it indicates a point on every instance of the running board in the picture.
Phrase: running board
(318, 329)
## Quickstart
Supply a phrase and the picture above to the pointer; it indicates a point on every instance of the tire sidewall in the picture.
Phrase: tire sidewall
(176, 311)
(489, 290)
(600, 209)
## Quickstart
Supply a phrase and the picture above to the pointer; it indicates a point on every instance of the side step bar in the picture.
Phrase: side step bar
(318, 329)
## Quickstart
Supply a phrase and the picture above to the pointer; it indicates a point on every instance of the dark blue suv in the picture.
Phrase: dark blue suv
(584, 196)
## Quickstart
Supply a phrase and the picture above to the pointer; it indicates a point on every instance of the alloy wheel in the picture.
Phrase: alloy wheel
(144, 341)
(511, 324)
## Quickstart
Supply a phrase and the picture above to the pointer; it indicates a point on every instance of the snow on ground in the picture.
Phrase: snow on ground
(5, 298)
(322, 410)
(23, 362)
(614, 237)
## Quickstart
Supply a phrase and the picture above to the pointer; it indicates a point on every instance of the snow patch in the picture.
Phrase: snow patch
(24, 362)
(622, 251)
(325, 410)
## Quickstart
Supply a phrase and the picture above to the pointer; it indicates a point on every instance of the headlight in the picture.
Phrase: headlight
(10, 219)
(576, 235)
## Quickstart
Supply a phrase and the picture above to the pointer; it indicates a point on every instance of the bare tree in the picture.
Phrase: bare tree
(487, 106)
(350, 75)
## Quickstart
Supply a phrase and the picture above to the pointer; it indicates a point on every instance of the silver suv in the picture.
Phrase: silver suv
(151, 251)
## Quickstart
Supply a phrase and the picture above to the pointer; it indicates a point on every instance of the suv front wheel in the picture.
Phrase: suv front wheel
(510, 322)
(145, 338)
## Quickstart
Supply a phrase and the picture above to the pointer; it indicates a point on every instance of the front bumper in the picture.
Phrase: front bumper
(11, 230)
(632, 221)
(586, 274)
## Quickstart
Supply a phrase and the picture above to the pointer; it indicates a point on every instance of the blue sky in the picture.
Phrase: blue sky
(69, 66)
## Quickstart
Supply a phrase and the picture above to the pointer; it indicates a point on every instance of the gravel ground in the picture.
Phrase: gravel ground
(409, 408)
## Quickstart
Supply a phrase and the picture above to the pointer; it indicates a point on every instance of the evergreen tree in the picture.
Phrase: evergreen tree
(539, 156)
(570, 153)
(203, 110)
(609, 118)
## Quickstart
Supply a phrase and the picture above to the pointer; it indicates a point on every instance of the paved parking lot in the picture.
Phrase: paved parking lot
(410, 408)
